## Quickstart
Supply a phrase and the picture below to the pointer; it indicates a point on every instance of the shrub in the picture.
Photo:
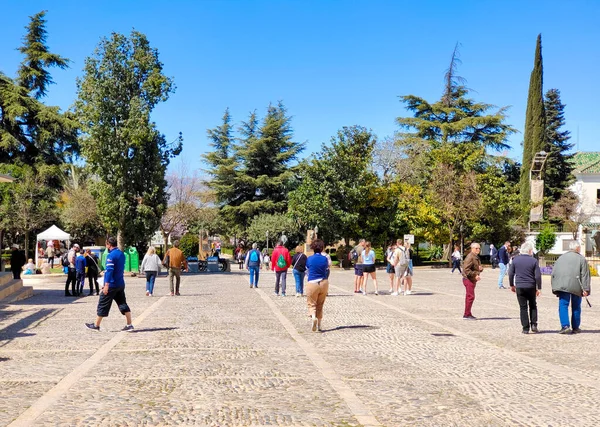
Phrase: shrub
(189, 244)
(545, 240)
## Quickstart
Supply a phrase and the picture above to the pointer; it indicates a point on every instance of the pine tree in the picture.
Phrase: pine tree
(222, 164)
(33, 73)
(535, 124)
(557, 175)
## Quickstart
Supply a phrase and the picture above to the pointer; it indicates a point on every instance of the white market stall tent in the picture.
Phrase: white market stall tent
(53, 233)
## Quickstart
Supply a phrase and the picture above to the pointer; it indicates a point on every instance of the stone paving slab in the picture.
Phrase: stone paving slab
(224, 354)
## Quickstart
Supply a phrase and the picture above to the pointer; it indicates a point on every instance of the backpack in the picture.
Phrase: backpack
(404, 257)
(64, 260)
(254, 256)
(281, 261)
(353, 255)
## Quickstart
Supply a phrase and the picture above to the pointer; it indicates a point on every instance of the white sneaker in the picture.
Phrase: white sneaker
(363, 292)
(298, 295)
(408, 293)
(394, 294)
(319, 326)
(314, 323)
(376, 293)
(391, 290)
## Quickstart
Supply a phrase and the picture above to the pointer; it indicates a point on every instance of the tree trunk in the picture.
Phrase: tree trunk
(27, 244)
(120, 240)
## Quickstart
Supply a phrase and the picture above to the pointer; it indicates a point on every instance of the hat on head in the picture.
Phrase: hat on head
(76, 246)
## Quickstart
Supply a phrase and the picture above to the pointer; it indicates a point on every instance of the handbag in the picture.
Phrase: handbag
(167, 261)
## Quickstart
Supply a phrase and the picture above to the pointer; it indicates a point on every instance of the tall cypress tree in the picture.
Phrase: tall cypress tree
(558, 165)
(535, 123)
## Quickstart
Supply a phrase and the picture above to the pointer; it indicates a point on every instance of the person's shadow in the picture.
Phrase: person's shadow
(340, 328)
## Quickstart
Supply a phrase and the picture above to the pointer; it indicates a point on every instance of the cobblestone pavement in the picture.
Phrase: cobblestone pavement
(223, 354)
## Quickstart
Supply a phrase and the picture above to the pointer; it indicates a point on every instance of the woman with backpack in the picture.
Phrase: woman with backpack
(253, 264)
(151, 268)
(299, 269)
(368, 262)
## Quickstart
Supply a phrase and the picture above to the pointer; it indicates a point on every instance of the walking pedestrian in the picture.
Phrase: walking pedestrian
(151, 268)
(471, 275)
(114, 287)
(50, 254)
(253, 264)
(299, 269)
(493, 256)
(71, 272)
(17, 261)
(570, 281)
(93, 269)
(281, 261)
(456, 258)
(409, 271)
(317, 286)
(356, 257)
(80, 273)
(175, 260)
(525, 280)
(503, 260)
(266, 259)
(368, 267)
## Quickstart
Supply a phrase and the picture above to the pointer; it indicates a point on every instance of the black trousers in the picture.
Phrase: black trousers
(526, 296)
(93, 278)
(71, 279)
(16, 273)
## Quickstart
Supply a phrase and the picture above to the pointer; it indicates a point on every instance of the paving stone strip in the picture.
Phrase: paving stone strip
(359, 410)
(52, 396)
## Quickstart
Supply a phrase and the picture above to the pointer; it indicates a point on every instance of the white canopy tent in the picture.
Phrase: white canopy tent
(53, 233)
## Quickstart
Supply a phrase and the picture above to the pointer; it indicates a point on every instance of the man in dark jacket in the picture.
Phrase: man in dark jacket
(503, 260)
(527, 285)
(471, 270)
(570, 281)
(17, 261)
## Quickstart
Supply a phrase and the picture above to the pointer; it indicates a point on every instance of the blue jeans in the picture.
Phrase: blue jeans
(299, 276)
(253, 276)
(150, 279)
(563, 309)
(502, 274)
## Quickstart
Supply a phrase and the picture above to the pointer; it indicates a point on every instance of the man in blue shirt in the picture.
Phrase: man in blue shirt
(503, 260)
(114, 287)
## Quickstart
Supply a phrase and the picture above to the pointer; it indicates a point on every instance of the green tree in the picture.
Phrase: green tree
(275, 225)
(557, 176)
(256, 176)
(336, 187)
(545, 240)
(122, 83)
(189, 244)
(534, 138)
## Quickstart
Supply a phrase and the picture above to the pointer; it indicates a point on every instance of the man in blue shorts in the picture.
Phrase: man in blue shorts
(114, 287)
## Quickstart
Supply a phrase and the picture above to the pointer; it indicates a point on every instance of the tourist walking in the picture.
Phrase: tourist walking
(356, 258)
(266, 259)
(93, 269)
(493, 255)
(114, 287)
(471, 275)
(456, 258)
(253, 264)
(317, 285)
(71, 272)
(299, 270)
(50, 254)
(503, 260)
(368, 267)
(80, 273)
(570, 281)
(17, 261)
(525, 280)
(151, 268)
(409, 271)
(174, 260)
(280, 261)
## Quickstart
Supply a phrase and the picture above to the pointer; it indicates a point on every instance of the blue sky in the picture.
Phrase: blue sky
(332, 63)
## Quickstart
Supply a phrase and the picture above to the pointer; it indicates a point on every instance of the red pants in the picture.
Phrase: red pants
(470, 295)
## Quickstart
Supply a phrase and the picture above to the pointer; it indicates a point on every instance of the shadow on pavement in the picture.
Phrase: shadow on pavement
(339, 328)
(47, 296)
(4, 359)
(497, 318)
(135, 331)
(15, 330)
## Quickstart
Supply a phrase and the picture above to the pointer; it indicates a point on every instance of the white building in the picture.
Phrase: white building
(587, 189)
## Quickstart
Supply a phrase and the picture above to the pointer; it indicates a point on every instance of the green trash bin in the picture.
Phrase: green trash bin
(134, 259)
(103, 259)
(127, 259)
